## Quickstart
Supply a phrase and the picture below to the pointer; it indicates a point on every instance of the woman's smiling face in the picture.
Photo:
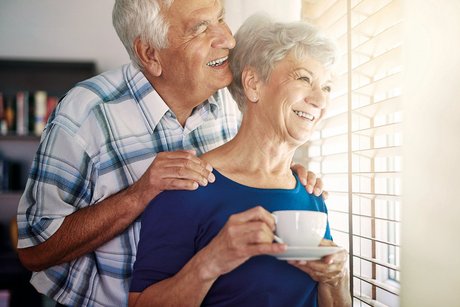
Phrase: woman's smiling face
(295, 97)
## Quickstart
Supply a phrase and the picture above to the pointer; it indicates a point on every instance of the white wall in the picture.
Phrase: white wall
(238, 10)
(60, 29)
(82, 30)
(431, 207)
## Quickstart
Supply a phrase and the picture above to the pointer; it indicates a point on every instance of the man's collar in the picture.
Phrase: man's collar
(151, 105)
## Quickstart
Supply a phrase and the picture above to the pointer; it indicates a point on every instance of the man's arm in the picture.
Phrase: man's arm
(86, 229)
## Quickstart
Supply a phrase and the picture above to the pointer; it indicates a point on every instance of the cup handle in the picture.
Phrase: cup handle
(275, 237)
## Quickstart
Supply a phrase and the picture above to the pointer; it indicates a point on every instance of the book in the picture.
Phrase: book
(40, 111)
(10, 114)
(22, 112)
(3, 127)
(51, 104)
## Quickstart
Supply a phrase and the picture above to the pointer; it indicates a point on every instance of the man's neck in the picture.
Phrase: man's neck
(179, 100)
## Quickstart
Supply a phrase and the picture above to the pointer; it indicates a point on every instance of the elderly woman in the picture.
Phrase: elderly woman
(224, 231)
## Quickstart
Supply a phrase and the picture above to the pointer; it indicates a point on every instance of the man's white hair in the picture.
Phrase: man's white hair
(141, 18)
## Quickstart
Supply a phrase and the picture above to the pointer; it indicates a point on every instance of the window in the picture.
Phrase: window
(357, 148)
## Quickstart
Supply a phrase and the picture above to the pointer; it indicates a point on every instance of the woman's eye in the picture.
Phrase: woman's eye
(306, 79)
(327, 89)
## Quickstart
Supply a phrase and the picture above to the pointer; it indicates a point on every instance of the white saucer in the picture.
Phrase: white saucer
(307, 253)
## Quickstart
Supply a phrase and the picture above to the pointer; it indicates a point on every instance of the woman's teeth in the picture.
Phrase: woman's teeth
(305, 115)
(217, 62)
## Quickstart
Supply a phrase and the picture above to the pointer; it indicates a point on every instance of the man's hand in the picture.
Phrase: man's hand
(309, 180)
(330, 269)
(245, 234)
(175, 170)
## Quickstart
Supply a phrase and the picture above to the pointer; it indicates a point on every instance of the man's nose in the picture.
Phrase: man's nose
(223, 38)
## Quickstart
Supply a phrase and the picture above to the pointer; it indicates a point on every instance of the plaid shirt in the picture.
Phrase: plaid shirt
(101, 138)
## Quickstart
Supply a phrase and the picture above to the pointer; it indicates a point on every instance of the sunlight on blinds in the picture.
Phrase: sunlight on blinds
(357, 149)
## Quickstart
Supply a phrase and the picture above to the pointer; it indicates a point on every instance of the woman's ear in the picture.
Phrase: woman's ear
(148, 56)
(251, 84)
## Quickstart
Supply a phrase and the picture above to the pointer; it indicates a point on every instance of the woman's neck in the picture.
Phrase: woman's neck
(255, 157)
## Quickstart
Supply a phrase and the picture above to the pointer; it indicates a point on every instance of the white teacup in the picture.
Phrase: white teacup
(300, 227)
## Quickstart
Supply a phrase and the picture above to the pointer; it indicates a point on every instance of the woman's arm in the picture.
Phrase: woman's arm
(332, 294)
(188, 287)
(244, 235)
(332, 275)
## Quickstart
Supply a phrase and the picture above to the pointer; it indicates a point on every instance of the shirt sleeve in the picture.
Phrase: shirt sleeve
(167, 238)
(59, 184)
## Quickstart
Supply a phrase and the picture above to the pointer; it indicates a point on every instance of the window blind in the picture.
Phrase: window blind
(357, 147)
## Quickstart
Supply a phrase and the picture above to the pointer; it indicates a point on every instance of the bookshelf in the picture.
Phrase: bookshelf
(18, 147)
(19, 138)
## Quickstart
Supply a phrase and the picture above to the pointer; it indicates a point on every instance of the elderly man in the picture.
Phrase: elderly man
(118, 140)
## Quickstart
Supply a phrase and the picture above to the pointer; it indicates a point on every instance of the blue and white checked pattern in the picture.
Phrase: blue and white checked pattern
(101, 138)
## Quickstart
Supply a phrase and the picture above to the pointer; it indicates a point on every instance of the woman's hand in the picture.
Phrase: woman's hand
(245, 234)
(330, 269)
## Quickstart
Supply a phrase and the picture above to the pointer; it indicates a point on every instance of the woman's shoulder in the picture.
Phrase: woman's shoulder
(184, 202)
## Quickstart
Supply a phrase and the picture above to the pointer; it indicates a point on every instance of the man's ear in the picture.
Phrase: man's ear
(148, 56)
(251, 83)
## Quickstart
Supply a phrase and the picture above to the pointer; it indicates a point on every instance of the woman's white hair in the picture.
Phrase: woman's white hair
(261, 43)
(141, 18)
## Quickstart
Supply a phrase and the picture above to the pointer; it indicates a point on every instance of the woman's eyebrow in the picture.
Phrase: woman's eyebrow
(305, 69)
(329, 81)
(222, 13)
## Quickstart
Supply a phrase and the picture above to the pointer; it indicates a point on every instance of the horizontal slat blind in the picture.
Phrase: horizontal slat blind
(357, 148)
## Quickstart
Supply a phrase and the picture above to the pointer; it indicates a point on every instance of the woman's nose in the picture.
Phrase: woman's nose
(223, 37)
(319, 97)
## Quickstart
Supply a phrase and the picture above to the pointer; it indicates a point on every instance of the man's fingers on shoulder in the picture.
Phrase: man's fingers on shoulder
(325, 195)
(318, 187)
(301, 173)
(180, 184)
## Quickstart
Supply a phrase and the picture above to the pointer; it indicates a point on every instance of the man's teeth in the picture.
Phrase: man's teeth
(217, 62)
(305, 115)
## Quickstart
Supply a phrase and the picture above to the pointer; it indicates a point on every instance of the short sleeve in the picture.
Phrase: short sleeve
(59, 183)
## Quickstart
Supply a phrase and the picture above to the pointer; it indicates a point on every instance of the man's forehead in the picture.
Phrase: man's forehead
(189, 7)
(184, 15)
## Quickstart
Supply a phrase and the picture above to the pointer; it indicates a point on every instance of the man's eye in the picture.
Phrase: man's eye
(327, 89)
(221, 20)
(306, 79)
(201, 29)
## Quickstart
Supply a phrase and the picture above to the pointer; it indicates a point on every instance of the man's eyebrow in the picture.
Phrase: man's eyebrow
(200, 23)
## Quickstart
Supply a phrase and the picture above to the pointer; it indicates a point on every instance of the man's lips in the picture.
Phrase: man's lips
(217, 62)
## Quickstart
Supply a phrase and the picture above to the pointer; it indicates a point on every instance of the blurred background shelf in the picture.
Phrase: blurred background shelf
(17, 150)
